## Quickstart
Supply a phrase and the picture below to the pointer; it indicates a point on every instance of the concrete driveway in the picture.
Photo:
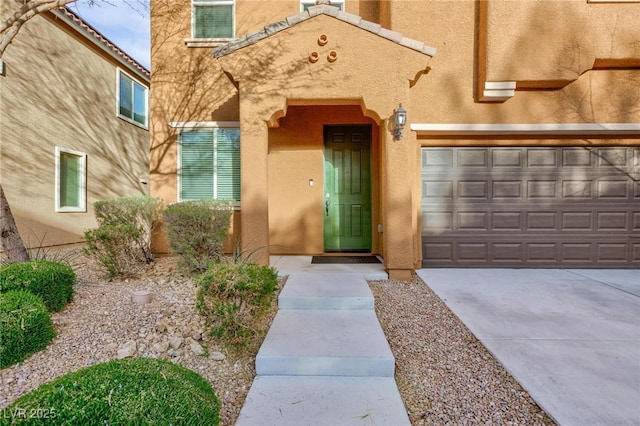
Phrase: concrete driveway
(570, 337)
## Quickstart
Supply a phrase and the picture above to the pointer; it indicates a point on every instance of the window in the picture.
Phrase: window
(210, 164)
(71, 185)
(306, 4)
(132, 100)
(213, 19)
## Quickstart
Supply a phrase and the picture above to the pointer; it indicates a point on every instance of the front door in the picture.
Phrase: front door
(347, 188)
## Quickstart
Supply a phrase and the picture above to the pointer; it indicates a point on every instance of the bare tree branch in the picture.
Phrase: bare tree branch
(9, 27)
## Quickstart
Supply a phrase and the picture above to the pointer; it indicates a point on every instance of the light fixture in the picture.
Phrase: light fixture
(399, 120)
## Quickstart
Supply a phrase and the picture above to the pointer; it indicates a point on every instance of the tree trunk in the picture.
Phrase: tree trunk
(12, 244)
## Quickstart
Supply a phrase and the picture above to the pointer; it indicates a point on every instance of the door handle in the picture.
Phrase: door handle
(326, 208)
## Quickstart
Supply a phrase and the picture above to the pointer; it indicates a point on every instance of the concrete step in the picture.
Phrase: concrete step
(323, 401)
(325, 343)
(325, 291)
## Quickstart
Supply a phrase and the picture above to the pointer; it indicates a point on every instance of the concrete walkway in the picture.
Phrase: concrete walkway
(571, 338)
(325, 359)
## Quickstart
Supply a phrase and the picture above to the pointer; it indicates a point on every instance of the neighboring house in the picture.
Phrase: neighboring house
(73, 126)
(521, 147)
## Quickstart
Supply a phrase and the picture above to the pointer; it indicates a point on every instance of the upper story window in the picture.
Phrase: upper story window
(212, 19)
(306, 4)
(132, 100)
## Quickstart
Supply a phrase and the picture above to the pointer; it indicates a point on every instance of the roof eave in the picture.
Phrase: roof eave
(103, 43)
(333, 12)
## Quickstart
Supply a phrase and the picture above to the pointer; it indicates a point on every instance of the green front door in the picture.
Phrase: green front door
(347, 188)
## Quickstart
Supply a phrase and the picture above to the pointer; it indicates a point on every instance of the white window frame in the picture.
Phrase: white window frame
(195, 3)
(82, 187)
(304, 3)
(119, 72)
(201, 125)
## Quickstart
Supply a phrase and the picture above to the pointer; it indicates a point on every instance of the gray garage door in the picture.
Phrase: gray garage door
(531, 207)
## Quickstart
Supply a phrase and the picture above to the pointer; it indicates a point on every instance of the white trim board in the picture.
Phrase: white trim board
(203, 124)
(612, 129)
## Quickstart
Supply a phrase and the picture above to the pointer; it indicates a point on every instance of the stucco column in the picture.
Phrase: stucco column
(254, 226)
(399, 180)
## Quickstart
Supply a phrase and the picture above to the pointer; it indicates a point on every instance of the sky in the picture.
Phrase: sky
(120, 23)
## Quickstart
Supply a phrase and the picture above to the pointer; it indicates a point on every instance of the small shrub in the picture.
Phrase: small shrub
(52, 281)
(233, 297)
(25, 326)
(133, 391)
(122, 241)
(196, 231)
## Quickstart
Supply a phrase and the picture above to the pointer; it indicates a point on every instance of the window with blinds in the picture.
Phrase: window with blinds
(213, 19)
(210, 164)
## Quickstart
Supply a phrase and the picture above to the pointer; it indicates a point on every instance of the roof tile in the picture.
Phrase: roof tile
(349, 18)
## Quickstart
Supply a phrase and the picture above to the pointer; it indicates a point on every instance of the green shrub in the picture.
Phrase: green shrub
(134, 391)
(52, 281)
(25, 326)
(196, 231)
(233, 298)
(122, 241)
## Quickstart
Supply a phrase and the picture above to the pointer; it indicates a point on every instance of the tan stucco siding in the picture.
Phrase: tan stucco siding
(557, 40)
(58, 92)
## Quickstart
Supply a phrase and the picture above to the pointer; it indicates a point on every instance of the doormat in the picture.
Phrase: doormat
(344, 259)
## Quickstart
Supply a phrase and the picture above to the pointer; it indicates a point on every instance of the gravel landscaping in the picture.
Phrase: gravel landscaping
(444, 374)
(102, 323)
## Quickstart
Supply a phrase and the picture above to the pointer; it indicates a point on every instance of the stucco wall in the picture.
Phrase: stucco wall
(58, 91)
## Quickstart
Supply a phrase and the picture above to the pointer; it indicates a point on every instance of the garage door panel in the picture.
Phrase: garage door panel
(541, 221)
(507, 189)
(576, 157)
(438, 189)
(612, 189)
(612, 221)
(437, 158)
(542, 157)
(506, 158)
(612, 157)
(474, 190)
(473, 158)
(577, 189)
(506, 221)
(543, 207)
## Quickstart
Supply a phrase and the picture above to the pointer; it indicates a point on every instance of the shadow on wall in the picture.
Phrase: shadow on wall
(72, 105)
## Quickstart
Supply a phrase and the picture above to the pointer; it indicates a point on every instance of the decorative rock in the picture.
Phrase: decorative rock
(161, 325)
(141, 296)
(217, 356)
(161, 347)
(127, 350)
(175, 342)
(197, 349)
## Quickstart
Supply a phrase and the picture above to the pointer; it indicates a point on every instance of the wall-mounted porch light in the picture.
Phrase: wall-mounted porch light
(399, 120)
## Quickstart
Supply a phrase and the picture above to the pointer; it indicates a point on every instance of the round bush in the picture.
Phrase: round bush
(25, 326)
(52, 281)
(134, 391)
